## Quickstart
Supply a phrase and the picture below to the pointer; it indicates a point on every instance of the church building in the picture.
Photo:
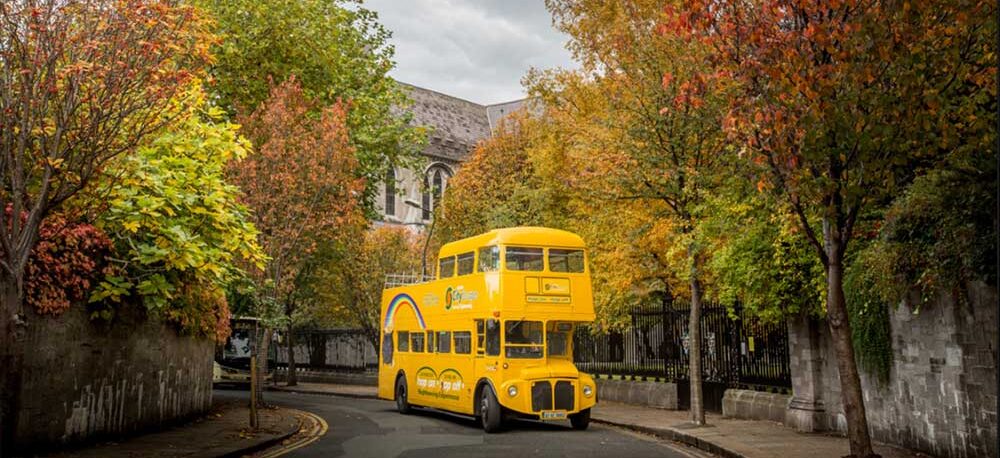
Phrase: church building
(454, 128)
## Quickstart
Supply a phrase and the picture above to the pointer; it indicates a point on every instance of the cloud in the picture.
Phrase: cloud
(474, 49)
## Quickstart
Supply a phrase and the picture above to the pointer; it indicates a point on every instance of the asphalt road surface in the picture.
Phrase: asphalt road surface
(368, 428)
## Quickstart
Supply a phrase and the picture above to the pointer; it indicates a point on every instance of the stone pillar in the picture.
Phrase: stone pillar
(806, 412)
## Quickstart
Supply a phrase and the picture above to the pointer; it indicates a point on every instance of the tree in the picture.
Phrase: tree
(337, 51)
(504, 183)
(301, 187)
(80, 83)
(668, 148)
(179, 230)
(841, 104)
(351, 286)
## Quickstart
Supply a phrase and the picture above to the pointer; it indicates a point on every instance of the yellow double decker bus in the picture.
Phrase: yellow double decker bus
(491, 335)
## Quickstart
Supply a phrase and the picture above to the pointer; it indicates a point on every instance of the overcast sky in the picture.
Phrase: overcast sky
(474, 49)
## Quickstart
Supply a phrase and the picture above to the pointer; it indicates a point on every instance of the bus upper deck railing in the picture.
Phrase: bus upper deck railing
(394, 280)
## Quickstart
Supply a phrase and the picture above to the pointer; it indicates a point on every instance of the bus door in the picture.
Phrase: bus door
(487, 360)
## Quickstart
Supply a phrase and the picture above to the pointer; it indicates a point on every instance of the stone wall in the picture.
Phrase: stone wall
(343, 349)
(651, 394)
(755, 405)
(84, 381)
(941, 394)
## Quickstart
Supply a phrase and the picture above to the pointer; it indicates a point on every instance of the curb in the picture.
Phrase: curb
(323, 393)
(260, 446)
(676, 436)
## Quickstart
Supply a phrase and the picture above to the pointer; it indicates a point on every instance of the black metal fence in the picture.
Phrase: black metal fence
(738, 350)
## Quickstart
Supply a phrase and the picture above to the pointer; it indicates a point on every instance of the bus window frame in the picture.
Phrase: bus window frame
(403, 344)
(548, 265)
(458, 264)
(504, 262)
(439, 339)
(454, 343)
(413, 341)
(441, 268)
(496, 256)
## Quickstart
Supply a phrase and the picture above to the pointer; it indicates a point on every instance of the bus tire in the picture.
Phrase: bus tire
(402, 400)
(580, 420)
(490, 412)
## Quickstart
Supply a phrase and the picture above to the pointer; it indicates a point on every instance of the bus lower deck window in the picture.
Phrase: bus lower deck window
(403, 340)
(463, 342)
(523, 339)
(417, 341)
(387, 348)
(446, 267)
(443, 342)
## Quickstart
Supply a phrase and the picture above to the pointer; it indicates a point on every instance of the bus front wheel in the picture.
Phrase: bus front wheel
(402, 403)
(580, 420)
(490, 411)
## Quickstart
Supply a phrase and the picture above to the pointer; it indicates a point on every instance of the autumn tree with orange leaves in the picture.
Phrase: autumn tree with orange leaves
(301, 186)
(80, 84)
(842, 104)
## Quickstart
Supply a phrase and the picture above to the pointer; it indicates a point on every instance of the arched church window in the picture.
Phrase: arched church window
(390, 192)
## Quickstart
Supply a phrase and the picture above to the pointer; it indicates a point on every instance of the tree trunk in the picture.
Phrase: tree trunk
(293, 378)
(840, 330)
(263, 346)
(694, 345)
(11, 357)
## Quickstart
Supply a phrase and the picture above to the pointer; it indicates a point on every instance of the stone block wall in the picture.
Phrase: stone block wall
(941, 394)
(755, 405)
(346, 349)
(652, 394)
(84, 381)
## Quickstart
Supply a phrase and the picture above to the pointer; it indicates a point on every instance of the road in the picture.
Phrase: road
(362, 428)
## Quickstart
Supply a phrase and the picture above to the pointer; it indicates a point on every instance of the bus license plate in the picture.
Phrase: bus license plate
(550, 415)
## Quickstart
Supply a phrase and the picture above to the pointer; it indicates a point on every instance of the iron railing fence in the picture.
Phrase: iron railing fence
(738, 350)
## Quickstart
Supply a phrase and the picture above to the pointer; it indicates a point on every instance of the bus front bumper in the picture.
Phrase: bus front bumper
(550, 398)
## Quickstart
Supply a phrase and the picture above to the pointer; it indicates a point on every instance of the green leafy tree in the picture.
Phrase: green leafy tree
(179, 230)
(337, 51)
(81, 83)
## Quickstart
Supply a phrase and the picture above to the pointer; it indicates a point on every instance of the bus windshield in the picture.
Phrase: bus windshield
(523, 339)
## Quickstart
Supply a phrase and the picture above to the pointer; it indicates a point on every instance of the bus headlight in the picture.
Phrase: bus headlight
(587, 391)
(512, 391)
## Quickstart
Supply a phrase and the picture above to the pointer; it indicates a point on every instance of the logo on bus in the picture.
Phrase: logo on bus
(459, 299)
(445, 385)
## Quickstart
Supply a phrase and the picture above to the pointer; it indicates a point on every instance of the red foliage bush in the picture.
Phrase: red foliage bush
(68, 260)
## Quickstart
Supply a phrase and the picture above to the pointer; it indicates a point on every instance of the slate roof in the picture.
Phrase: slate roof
(456, 125)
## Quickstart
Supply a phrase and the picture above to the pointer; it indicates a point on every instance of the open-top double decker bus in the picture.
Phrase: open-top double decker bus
(492, 334)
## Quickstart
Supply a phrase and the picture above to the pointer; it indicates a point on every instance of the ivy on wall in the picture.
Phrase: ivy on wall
(869, 315)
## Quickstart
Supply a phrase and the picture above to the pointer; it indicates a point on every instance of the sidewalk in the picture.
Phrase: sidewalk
(725, 437)
(223, 432)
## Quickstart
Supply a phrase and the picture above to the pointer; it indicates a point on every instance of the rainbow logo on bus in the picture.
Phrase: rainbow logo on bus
(402, 299)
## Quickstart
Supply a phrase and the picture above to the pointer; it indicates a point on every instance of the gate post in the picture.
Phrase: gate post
(806, 412)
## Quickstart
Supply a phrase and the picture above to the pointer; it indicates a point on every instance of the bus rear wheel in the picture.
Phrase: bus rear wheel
(580, 420)
(402, 403)
(490, 412)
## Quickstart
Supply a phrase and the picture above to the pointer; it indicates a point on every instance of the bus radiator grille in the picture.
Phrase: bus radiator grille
(541, 396)
(565, 395)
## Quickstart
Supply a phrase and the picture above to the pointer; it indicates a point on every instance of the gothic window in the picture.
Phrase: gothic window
(390, 192)
(435, 182)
